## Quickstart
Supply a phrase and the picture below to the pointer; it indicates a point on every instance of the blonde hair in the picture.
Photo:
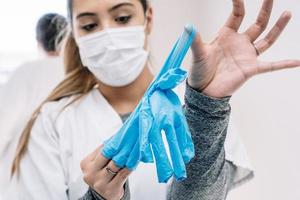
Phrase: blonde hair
(79, 81)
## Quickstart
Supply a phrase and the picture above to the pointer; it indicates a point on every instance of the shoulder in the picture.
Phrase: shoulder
(63, 108)
(62, 120)
(46, 122)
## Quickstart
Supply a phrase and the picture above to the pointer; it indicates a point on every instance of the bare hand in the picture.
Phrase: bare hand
(99, 175)
(225, 64)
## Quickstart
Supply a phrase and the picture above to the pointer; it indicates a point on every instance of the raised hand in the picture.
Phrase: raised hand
(225, 64)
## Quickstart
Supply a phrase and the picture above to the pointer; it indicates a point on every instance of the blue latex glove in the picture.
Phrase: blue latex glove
(159, 110)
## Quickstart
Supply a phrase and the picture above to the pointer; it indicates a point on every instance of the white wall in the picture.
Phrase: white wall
(266, 109)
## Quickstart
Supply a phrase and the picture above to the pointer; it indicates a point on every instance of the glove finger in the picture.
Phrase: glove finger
(113, 145)
(163, 166)
(147, 155)
(126, 144)
(134, 157)
(177, 160)
(146, 123)
(143, 127)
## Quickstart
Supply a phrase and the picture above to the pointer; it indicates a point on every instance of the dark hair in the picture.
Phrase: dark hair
(50, 31)
(70, 6)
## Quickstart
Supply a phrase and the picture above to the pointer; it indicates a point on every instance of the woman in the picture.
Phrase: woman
(71, 121)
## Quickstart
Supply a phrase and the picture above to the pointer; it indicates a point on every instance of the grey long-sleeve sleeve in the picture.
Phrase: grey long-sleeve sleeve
(209, 175)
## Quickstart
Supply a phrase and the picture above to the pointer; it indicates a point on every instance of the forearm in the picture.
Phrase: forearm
(209, 175)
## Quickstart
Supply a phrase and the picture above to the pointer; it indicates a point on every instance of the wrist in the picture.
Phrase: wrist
(205, 90)
(195, 100)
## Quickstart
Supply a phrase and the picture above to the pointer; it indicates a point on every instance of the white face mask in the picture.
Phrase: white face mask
(115, 56)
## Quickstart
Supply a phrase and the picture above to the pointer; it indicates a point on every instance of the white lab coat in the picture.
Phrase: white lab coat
(60, 140)
(29, 85)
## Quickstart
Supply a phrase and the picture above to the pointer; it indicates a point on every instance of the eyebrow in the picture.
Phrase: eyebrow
(90, 14)
(85, 14)
(120, 5)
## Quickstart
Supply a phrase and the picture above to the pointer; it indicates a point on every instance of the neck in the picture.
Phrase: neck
(125, 99)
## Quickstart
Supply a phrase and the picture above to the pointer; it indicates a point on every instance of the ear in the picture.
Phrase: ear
(149, 18)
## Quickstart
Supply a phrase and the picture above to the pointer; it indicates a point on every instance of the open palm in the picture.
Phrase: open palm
(225, 64)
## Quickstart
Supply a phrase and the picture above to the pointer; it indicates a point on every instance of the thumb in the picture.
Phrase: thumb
(198, 47)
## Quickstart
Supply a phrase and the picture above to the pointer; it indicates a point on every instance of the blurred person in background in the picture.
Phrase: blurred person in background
(28, 87)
